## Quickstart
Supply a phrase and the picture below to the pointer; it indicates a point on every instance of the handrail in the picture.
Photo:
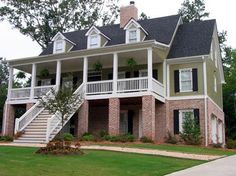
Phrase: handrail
(55, 120)
(28, 116)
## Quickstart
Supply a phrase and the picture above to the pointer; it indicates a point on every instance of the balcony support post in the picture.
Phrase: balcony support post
(149, 61)
(115, 72)
(10, 82)
(58, 75)
(33, 81)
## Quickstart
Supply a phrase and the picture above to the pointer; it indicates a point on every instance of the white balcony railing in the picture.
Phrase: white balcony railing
(20, 93)
(157, 87)
(99, 87)
(41, 90)
(132, 84)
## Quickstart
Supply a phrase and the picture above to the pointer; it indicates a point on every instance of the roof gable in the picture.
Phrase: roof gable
(136, 24)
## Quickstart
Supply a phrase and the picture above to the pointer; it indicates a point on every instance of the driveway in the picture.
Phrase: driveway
(221, 167)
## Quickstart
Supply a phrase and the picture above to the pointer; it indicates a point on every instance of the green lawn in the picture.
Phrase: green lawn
(176, 148)
(22, 161)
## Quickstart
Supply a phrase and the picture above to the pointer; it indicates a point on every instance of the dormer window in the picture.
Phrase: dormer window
(133, 35)
(59, 46)
(94, 41)
(134, 32)
(95, 38)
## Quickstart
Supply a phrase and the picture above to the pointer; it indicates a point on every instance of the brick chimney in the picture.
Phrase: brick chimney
(128, 12)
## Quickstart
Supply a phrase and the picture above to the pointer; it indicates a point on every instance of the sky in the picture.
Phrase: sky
(15, 45)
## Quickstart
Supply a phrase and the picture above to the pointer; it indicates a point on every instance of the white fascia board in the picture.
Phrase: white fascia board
(186, 59)
(97, 31)
(133, 21)
(63, 37)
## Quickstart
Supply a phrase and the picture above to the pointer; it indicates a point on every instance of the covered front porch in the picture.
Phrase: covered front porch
(103, 76)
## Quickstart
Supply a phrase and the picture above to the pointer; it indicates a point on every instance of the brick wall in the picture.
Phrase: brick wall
(213, 109)
(98, 119)
(9, 122)
(83, 113)
(114, 116)
(148, 117)
(29, 105)
(161, 122)
(186, 104)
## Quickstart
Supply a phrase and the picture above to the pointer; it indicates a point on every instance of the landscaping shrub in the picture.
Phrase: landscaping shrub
(191, 134)
(68, 137)
(58, 148)
(172, 139)
(6, 138)
(122, 138)
(102, 134)
(231, 144)
(106, 137)
(217, 145)
(145, 139)
(87, 137)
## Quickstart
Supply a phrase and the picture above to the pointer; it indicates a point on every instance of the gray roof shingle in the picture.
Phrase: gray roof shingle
(160, 29)
(192, 39)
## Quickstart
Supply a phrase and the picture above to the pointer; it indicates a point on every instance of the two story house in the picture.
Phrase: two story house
(140, 77)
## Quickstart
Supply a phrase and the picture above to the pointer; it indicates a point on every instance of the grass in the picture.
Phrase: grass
(22, 161)
(176, 148)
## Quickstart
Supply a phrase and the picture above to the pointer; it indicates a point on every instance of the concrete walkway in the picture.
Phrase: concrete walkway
(153, 152)
(130, 150)
(221, 167)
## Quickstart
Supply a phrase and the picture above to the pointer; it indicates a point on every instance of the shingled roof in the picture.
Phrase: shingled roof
(159, 29)
(192, 39)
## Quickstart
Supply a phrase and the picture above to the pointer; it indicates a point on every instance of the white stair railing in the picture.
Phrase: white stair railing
(31, 114)
(54, 123)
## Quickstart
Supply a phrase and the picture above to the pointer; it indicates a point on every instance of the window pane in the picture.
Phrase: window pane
(93, 41)
(59, 46)
(133, 36)
(186, 80)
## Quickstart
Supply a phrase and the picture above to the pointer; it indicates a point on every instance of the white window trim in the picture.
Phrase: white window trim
(181, 117)
(89, 39)
(180, 81)
(137, 33)
(216, 56)
(63, 46)
(212, 51)
(215, 84)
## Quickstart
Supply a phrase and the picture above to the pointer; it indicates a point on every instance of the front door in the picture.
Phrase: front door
(67, 82)
(123, 122)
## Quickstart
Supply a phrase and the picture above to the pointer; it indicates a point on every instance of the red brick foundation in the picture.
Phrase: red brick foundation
(83, 119)
(186, 104)
(148, 117)
(8, 120)
(114, 116)
(29, 105)
(213, 109)
(161, 122)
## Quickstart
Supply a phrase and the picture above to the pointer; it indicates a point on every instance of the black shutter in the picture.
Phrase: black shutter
(39, 83)
(196, 116)
(136, 74)
(176, 79)
(127, 75)
(195, 79)
(155, 74)
(75, 80)
(110, 76)
(176, 121)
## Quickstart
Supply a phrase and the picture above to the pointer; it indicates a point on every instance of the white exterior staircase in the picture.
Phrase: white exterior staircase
(35, 132)
(37, 125)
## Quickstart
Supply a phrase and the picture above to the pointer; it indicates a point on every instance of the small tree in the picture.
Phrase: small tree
(191, 131)
(64, 103)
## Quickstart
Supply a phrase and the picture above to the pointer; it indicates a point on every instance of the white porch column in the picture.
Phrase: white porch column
(58, 75)
(33, 80)
(10, 82)
(164, 77)
(115, 72)
(85, 70)
(149, 60)
(85, 74)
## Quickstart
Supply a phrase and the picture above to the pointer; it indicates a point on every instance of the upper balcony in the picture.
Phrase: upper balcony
(118, 74)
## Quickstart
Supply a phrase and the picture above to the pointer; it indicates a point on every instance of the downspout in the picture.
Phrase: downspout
(205, 100)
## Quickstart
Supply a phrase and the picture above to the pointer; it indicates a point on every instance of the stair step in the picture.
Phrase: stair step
(38, 123)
